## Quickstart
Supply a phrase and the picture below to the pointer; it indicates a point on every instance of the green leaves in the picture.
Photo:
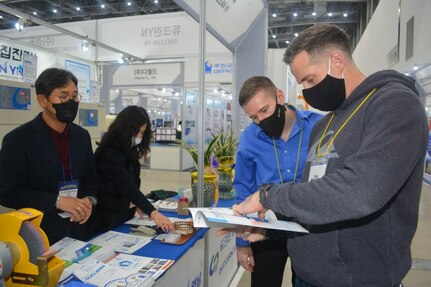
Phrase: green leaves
(226, 146)
(193, 150)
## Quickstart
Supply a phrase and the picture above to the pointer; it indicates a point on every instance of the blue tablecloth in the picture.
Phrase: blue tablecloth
(157, 249)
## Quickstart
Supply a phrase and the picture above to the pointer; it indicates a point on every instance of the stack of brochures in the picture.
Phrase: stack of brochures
(98, 263)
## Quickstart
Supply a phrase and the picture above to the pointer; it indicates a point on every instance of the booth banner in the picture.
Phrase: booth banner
(221, 262)
(148, 74)
(11, 61)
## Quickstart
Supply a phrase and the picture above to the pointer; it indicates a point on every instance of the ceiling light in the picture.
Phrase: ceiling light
(1, 17)
(54, 10)
(129, 3)
(295, 14)
(78, 8)
(85, 45)
(164, 90)
(121, 60)
(215, 90)
(274, 15)
(415, 67)
(19, 25)
(329, 14)
(296, 34)
(287, 42)
(156, 1)
(345, 14)
(177, 94)
(314, 13)
(34, 13)
(274, 36)
(102, 6)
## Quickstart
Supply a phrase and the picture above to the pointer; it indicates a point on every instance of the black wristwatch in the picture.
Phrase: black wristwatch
(263, 192)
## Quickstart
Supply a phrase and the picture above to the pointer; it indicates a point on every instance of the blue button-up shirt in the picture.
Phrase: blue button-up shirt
(256, 162)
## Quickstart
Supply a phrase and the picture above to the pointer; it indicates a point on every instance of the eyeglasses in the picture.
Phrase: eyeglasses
(65, 98)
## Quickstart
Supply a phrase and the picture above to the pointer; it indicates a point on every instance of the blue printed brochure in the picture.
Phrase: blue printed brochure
(222, 217)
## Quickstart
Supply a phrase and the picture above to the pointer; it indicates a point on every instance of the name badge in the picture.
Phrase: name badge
(69, 189)
(318, 167)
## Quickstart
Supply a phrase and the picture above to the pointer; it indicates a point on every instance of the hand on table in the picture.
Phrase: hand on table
(162, 221)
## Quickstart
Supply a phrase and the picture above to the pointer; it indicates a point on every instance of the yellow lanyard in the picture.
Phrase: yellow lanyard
(297, 156)
(341, 128)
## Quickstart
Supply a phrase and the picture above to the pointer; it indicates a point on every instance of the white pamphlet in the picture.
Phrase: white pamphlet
(121, 242)
(100, 274)
(148, 266)
(74, 251)
(221, 217)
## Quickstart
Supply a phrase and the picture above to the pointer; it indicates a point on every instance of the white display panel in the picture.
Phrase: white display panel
(148, 74)
(229, 18)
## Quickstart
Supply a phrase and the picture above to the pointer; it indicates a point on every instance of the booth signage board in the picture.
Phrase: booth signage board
(29, 63)
(15, 98)
(221, 262)
(82, 73)
(164, 35)
(46, 38)
(11, 61)
(148, 74)
(229, 18)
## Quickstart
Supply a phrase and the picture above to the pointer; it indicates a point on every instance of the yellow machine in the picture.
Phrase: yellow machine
(25, 259)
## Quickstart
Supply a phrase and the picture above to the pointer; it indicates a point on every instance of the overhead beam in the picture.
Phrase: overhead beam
(66, 32)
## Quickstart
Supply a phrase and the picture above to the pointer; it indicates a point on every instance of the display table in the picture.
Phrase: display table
(204, 260)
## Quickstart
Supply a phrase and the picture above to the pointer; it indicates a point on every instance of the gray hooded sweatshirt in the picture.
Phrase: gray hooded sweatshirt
(362, 215)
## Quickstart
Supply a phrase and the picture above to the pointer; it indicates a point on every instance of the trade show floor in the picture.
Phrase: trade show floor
(419, 275)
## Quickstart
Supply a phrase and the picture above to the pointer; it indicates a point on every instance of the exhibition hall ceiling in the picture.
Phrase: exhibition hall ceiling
(286, 18)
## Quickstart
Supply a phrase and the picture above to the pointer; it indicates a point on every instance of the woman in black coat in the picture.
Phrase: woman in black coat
(117, 158)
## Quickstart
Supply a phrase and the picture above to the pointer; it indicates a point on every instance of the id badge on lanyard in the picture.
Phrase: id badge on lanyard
(69, 189)
(318, 167)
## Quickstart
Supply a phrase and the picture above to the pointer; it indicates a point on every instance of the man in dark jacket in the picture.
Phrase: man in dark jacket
(361, 184)
(48, 163)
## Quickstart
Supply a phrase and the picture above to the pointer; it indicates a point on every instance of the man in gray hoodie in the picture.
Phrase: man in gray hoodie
(360, 189)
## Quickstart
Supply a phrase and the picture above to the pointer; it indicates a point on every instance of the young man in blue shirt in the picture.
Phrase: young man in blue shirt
(272, 149)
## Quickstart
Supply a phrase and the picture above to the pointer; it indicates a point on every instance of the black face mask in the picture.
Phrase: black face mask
(328, 95)
(274, 124)
(66, 112)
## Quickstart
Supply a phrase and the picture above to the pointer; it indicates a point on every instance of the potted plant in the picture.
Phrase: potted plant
(210, 177)
(224, 151)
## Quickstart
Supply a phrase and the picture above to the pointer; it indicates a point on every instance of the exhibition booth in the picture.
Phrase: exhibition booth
(187, 89)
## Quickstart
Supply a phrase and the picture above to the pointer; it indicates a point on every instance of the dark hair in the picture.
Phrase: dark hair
(53, 78)
(126, 125)
(316, 41)
(252, 86)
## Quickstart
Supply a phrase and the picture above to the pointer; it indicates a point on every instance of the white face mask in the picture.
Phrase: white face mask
(136, 141)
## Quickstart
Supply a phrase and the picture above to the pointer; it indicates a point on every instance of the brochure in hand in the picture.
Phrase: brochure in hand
(221, 217)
